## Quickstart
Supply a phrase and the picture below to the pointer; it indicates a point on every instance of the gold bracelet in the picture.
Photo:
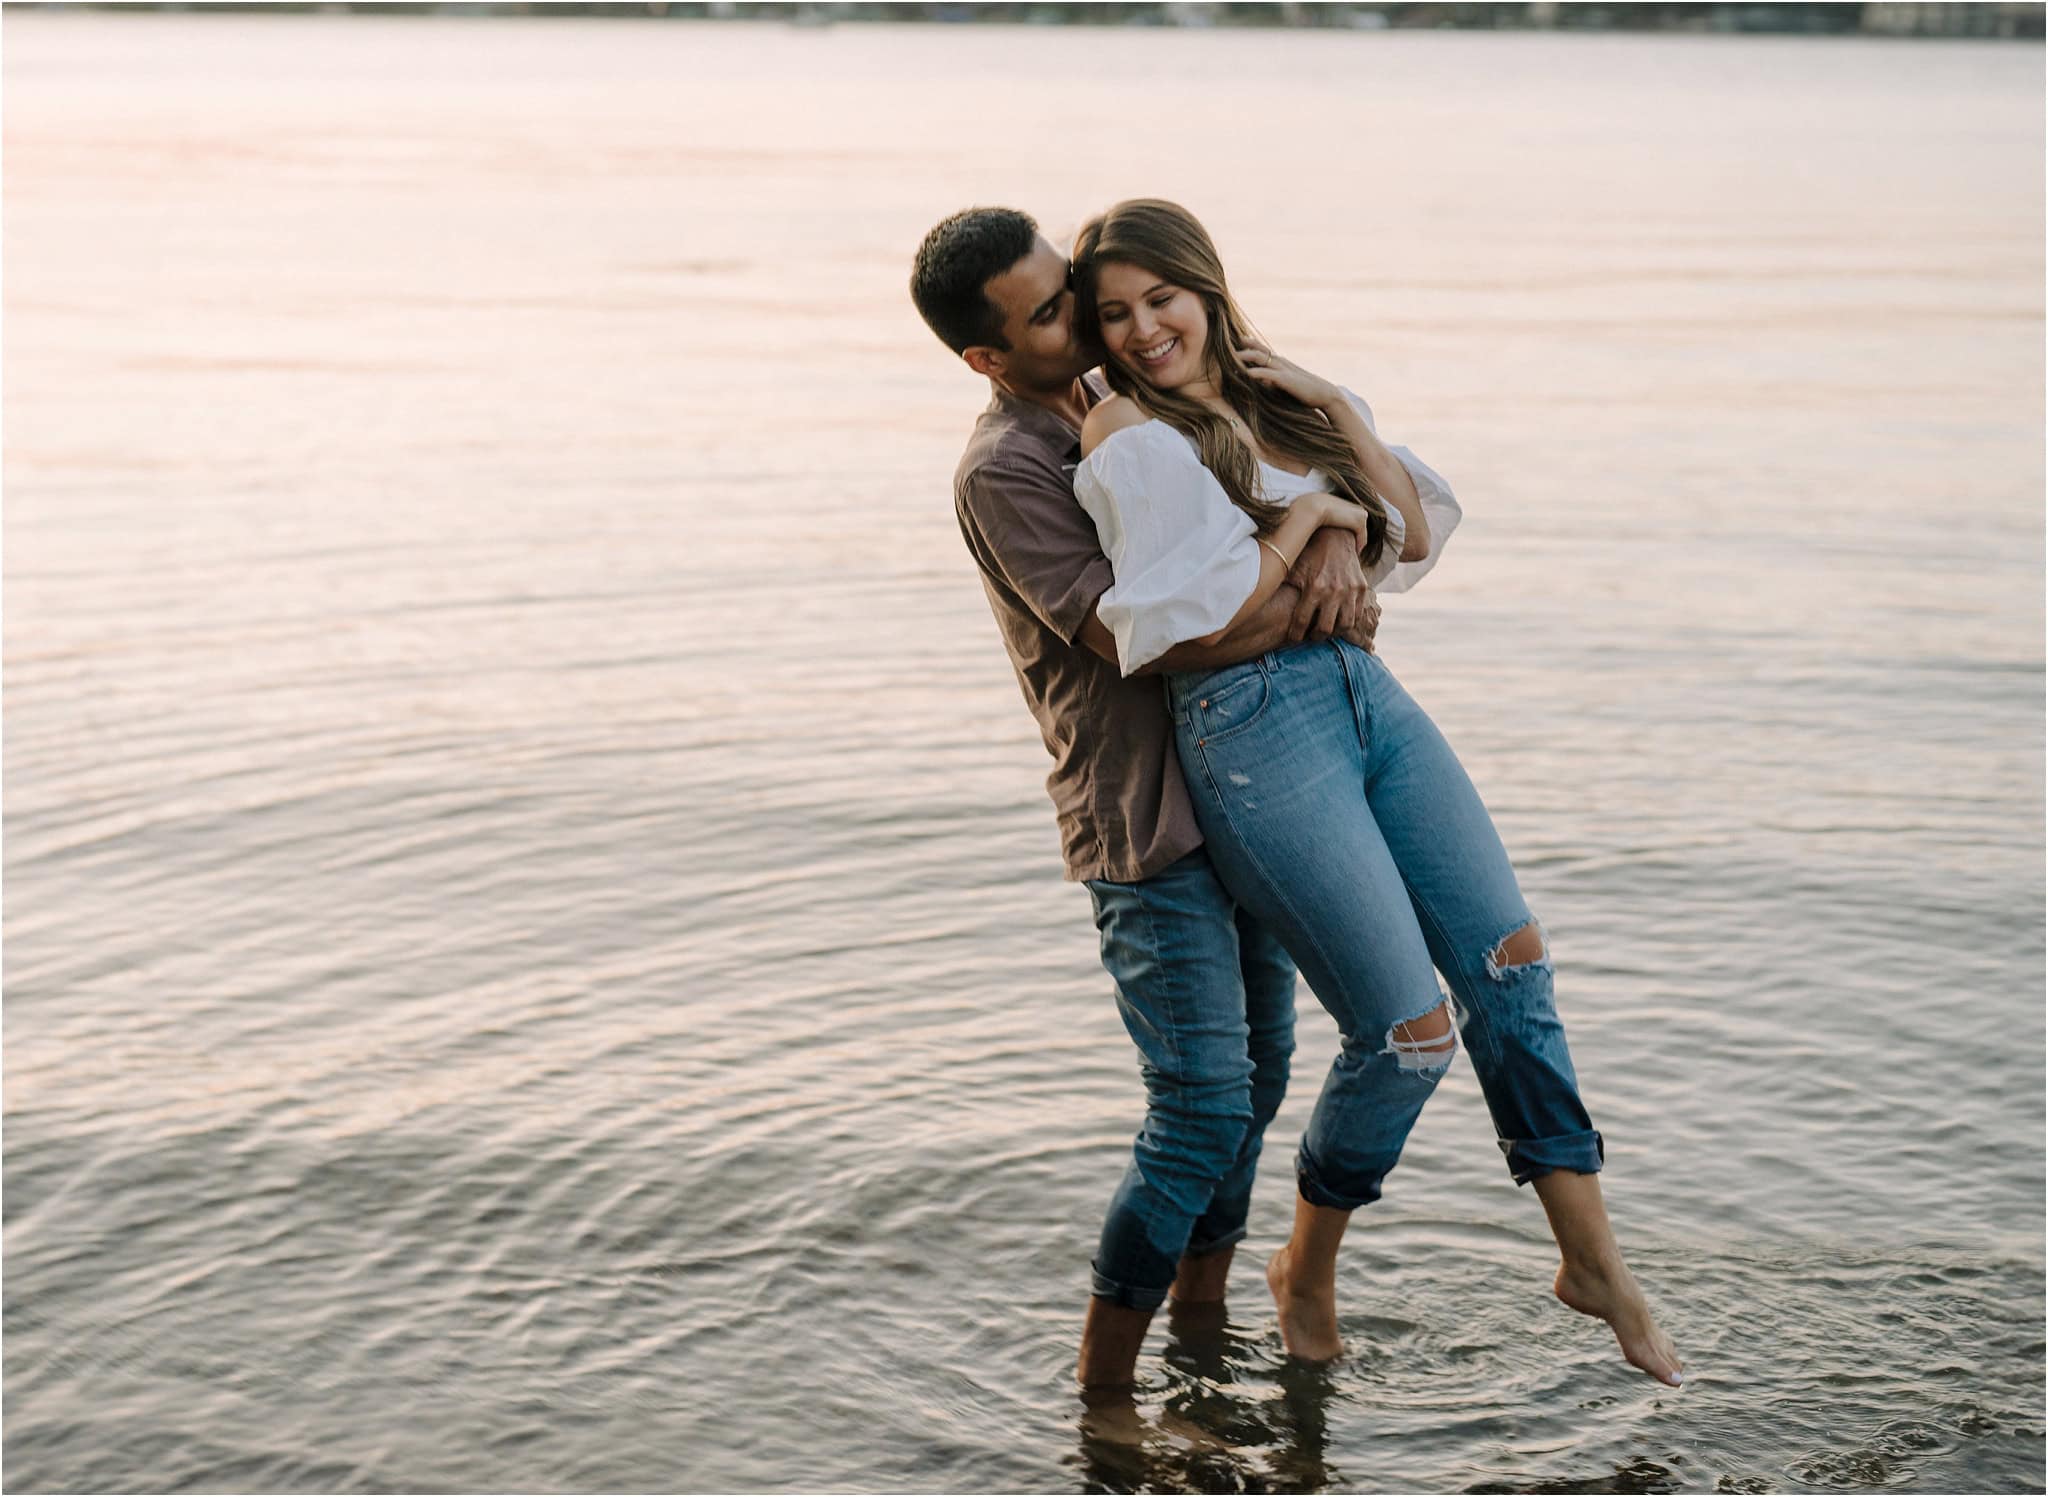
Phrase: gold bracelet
(1277, 552)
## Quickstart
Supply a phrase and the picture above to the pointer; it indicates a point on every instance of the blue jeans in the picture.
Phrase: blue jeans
(1335, 812)
(1208, 995)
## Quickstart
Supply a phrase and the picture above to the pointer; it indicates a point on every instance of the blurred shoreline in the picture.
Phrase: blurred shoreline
(2014, 20)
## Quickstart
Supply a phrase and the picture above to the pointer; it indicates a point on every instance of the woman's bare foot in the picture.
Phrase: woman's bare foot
(1308, 1316)
(1611, 1294)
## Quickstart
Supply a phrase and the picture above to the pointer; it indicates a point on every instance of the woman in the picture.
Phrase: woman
(1330, 804)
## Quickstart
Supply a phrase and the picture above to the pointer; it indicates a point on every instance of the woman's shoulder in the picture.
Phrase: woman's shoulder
(1114, 414)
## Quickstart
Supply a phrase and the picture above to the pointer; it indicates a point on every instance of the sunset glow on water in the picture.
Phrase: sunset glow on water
(536, 954)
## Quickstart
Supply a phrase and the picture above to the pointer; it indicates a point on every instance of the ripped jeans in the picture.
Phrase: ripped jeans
(1337, 815)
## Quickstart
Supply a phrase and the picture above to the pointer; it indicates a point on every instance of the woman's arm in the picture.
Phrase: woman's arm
(1389, 478)
(1189, 565)
(1279, 550)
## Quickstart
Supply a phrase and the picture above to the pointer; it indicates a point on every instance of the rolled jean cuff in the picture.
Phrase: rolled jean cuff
(1531, 1157)
(1130, 1296)
(1216, 1244)
(1318, 1194)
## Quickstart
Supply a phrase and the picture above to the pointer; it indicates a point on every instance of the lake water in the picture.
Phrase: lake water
(536, 957)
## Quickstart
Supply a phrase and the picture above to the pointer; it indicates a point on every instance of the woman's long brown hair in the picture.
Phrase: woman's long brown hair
(1166, 240)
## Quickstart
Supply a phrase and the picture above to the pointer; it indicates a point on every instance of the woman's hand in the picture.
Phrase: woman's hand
(1269, 369)
(1335, 510)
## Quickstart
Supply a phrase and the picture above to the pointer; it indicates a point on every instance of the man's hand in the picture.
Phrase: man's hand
(1335, 597)
(1368, 625)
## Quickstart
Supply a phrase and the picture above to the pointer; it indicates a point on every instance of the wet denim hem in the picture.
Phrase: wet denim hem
(1318, 1194)
(1216, 1244)
(1529, 1158)
(1130, 1296)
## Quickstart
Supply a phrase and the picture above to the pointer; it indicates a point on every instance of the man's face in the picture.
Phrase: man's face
(1046, 351)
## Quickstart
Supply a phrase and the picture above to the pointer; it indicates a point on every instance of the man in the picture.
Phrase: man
(1205, 991)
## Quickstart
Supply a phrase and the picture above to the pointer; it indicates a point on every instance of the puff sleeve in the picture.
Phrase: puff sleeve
(1185, 557)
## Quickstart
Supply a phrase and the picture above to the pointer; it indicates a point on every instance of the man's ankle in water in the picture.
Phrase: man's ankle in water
(1202, 1279)
(1111, 1337)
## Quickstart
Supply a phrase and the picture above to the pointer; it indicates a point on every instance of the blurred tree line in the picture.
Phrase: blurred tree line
(2021, 19)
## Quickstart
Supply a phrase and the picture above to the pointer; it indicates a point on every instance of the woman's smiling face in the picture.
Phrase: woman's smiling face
(1157, 330)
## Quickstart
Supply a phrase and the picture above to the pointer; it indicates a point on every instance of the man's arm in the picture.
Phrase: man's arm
(1326, 592)
(1254, 635)
(1020, 520)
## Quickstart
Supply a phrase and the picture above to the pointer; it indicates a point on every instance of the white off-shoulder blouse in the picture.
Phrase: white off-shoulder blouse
(1186, 558)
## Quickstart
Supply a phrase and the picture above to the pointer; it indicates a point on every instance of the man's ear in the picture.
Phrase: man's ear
(985, 360)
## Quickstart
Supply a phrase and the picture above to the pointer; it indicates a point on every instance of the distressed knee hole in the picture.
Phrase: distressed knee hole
(1424, 1044)
(1522, 948)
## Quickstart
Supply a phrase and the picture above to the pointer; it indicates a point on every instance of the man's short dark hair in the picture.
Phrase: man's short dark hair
(956, 261)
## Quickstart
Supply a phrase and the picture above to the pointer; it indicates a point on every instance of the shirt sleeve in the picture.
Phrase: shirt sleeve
(1440, 508)
(1025, 529)
(1185, 557)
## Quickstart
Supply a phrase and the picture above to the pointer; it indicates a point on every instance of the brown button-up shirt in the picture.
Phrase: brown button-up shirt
(1116, 785)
